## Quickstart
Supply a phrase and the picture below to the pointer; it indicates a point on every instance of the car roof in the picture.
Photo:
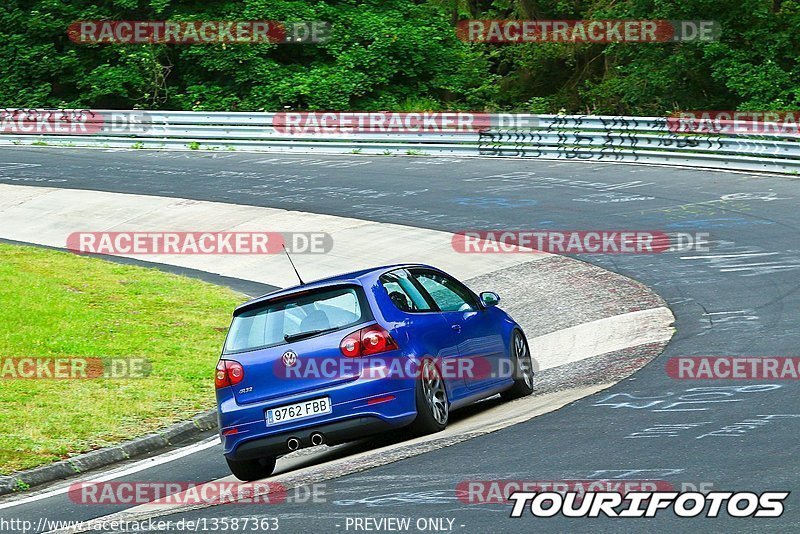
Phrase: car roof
(356, 277)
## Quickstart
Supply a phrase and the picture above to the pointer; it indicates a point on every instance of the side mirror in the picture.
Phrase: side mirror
(489, 298)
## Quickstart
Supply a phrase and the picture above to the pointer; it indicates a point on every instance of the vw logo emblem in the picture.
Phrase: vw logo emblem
(289, 358)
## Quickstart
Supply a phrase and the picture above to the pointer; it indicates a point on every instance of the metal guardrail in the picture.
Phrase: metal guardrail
(621, 139)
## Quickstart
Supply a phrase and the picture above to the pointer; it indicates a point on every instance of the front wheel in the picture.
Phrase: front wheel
(433, 408)
(523, 368)
(250, 470)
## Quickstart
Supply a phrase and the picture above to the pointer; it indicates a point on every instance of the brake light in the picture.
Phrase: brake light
(229, 373)
(367, 341)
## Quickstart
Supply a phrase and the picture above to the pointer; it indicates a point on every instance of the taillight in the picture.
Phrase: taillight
(351, 345)
(367, 341)
(229, 373)
(375, 339)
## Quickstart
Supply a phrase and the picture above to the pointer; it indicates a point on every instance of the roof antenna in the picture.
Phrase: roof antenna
(293, 267)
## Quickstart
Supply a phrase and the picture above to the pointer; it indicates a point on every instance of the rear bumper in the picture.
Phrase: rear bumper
(339, 432)
(246, 435)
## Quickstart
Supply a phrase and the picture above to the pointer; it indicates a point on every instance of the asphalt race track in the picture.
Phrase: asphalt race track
(738, 299)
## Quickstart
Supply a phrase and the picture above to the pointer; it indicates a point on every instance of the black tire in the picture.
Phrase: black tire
(431, 416)
(522, 364)
(250, 470)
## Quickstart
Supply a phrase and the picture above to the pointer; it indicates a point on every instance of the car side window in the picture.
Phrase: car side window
(448, 294)
(402, 292)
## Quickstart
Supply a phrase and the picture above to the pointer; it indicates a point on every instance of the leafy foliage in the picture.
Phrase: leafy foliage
(404, 54)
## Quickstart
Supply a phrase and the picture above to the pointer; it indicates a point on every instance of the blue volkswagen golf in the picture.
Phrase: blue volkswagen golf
(358, 354)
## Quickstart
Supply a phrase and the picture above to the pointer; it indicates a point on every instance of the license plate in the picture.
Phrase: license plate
(300, 410)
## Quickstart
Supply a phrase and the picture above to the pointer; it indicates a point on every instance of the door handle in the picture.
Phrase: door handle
(456, 327)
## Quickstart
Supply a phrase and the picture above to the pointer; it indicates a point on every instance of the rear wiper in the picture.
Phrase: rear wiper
(303, 335)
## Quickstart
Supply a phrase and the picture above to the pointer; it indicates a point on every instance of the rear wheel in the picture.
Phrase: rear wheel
(433, 409)
(249, 470)
(523, 368)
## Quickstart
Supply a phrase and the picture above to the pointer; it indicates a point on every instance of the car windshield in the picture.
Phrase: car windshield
(296, 317)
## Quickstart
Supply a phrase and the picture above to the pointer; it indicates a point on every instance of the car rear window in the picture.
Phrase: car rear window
(297, 316)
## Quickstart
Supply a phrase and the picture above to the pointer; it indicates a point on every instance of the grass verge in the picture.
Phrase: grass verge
(57, 304)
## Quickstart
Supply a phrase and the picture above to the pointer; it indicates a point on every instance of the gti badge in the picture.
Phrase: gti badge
(289, 358)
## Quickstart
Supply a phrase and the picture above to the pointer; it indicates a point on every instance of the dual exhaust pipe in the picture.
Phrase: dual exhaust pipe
(294, 443)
